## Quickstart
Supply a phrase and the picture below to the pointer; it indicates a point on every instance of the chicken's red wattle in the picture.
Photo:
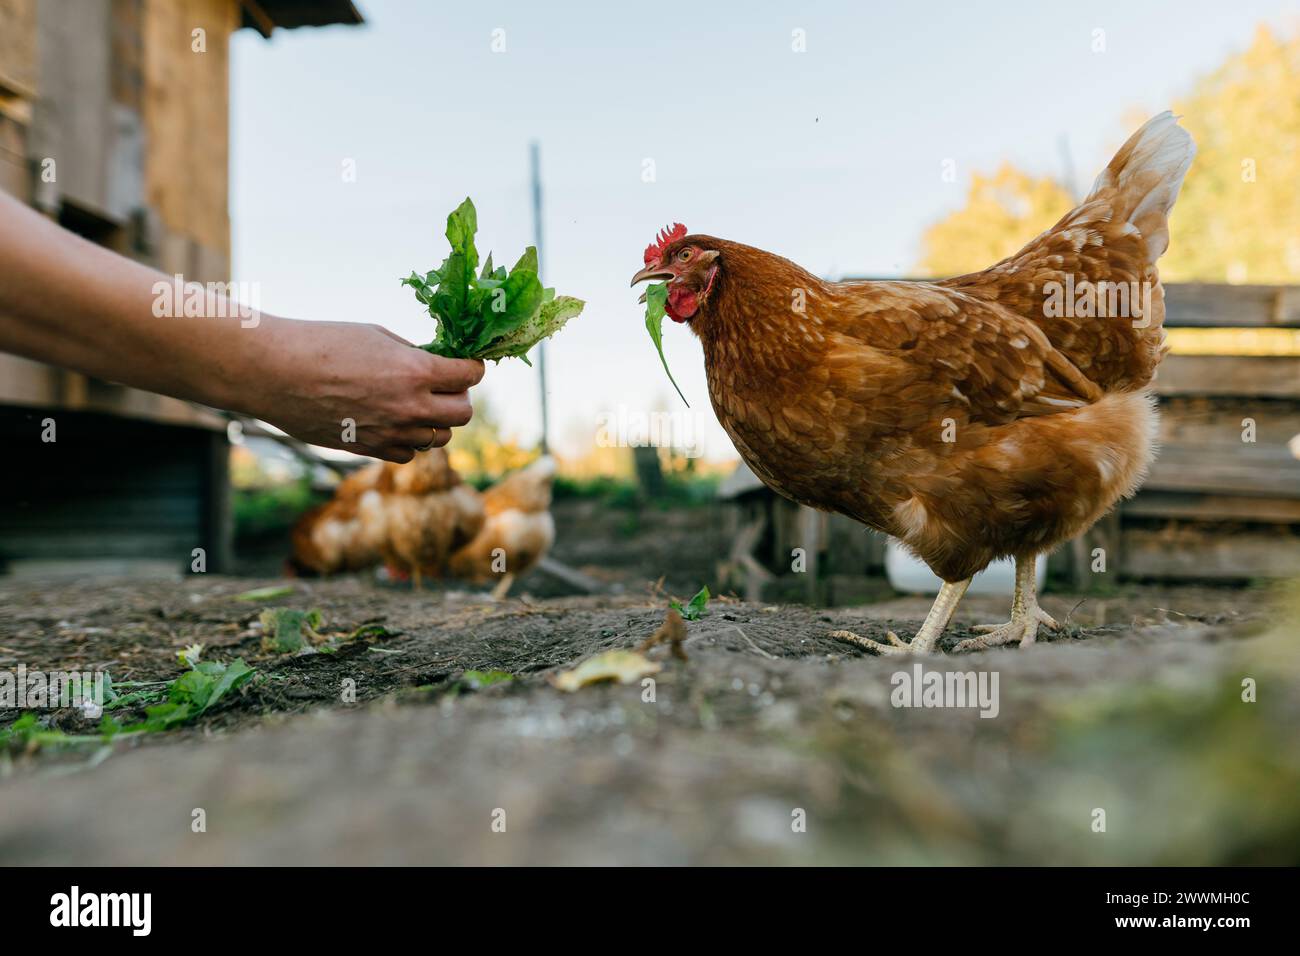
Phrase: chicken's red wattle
(681, 304)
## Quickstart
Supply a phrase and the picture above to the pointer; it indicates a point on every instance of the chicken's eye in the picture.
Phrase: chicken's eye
(684, 255)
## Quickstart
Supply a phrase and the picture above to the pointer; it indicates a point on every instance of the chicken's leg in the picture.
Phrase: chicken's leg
(931, 630)
(502, 587)
(1026, 615)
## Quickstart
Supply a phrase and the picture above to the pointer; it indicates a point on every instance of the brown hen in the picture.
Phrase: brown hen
(411, 516)
(422, 520)
(994, 414)
(518, 531)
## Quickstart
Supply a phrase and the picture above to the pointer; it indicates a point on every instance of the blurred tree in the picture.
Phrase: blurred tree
(479, 451)
(649, 470)
(1002, 213)
(1238, 219)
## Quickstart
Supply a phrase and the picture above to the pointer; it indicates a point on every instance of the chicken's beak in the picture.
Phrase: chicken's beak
(652, 272)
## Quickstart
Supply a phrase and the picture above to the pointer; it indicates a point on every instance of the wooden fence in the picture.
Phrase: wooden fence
(1222, 501)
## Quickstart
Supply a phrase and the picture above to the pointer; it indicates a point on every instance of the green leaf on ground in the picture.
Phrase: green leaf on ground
(696, 608)
(287, 631)
(188, 696)
(477, 680)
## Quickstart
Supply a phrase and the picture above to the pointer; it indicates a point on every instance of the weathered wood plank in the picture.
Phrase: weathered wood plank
(216, 515)
(1107, 537)
(1151, 503)
(186, 103)
(1193, 554)
(18, 48)
(15, 178)
(811, 536)
(1249, 475)
(33, 385)
(849, 547)
(1218, 305)
(1255, 376)
(1200, 421)
(74, 126)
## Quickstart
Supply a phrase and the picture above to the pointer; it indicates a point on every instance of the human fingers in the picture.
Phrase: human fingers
(452, 375)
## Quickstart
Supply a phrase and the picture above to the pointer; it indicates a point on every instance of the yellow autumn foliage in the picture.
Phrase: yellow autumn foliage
(1238, 217)
(1002, 212)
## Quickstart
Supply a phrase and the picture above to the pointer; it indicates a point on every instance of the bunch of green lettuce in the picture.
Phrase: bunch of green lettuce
(490, 314)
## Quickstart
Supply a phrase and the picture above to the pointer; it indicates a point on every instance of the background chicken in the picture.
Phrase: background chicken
(429, 513)
(422, 520)
(334, 536)
(411, 516)
(519, 524)
(994, 414)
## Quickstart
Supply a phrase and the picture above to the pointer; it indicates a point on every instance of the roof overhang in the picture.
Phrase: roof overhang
(265, 15)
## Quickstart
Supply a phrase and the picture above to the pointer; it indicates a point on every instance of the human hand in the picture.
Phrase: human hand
(361, 388)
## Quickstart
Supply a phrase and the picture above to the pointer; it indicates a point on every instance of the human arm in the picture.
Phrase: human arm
(69, 302)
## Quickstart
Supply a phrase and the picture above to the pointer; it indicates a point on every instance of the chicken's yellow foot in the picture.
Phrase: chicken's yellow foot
(927, 637)
(1026, 615)
(502, 587)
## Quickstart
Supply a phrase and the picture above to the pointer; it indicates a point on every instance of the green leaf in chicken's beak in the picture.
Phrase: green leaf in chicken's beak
(656, 299)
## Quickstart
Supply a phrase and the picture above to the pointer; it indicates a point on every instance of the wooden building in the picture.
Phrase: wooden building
(114, 121)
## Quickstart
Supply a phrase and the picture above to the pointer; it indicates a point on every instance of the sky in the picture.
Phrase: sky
(830, 155)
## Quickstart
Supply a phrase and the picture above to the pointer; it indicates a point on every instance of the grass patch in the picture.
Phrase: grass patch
(166, 704)
(679, 491)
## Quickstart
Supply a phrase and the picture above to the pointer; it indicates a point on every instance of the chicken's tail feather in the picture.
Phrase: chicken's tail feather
(1091, 282)
(1142, 182)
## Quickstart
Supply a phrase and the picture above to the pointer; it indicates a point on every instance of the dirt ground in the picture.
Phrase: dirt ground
(772, 743)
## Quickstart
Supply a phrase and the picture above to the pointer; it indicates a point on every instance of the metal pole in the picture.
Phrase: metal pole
(536, 155)
(1067, 167)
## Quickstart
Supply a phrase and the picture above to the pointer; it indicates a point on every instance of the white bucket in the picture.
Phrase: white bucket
(910, 575)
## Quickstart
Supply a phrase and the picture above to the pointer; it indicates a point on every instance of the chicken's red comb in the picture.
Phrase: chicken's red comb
(654, 252)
